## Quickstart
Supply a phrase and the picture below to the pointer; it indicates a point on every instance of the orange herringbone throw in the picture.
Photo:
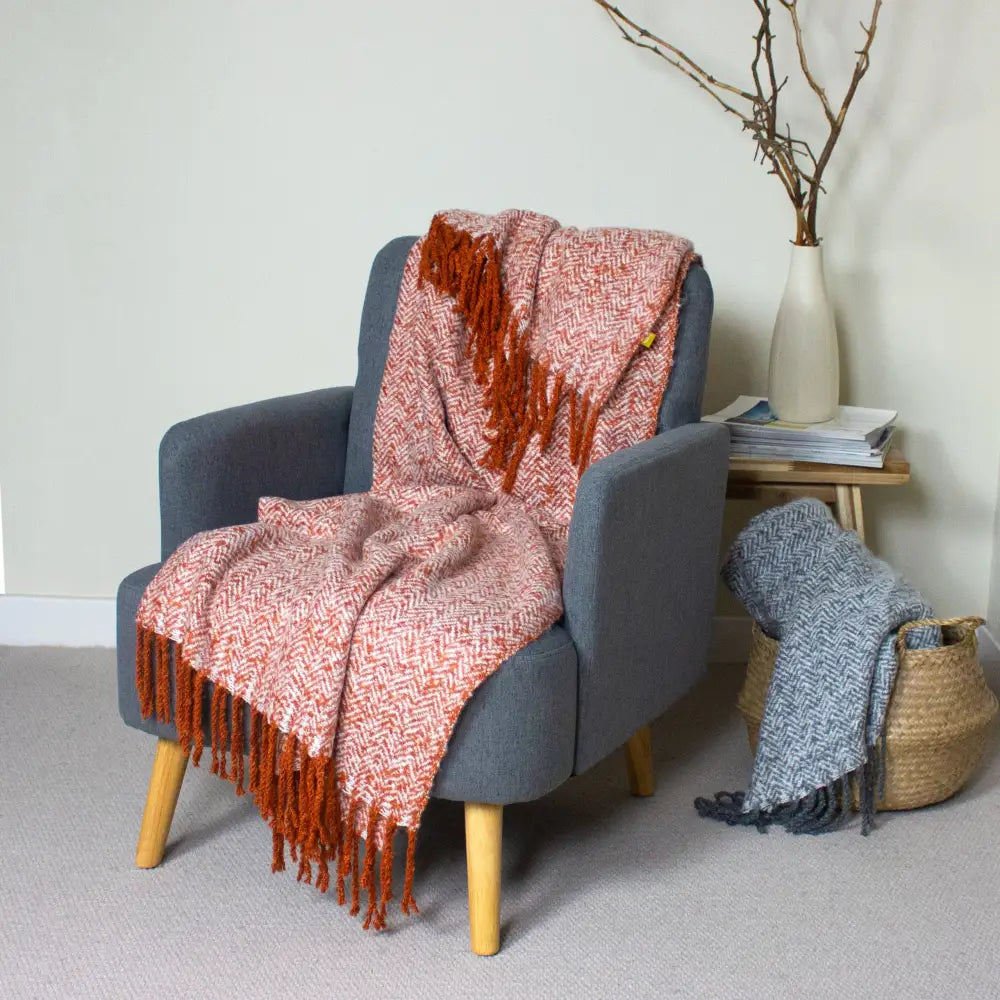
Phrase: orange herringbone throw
(344, 635)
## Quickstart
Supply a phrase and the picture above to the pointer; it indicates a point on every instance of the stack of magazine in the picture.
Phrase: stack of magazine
(856, 435)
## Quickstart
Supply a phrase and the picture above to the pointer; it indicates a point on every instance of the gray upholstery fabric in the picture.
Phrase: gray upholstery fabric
(373, 348)
(639, 587)
(515, 737)
(681, 402)
(513, 742)
(214, 468)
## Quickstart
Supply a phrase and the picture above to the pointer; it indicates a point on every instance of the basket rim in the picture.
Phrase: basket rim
(967, 626)
(975, 721)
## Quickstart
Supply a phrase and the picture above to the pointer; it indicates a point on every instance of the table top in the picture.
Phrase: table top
(770, 470)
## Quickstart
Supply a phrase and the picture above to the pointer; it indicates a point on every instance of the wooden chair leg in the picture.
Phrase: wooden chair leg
(483, 840)
(169, 765)
(639, 763)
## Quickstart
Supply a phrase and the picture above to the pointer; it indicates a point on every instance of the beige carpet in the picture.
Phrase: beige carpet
(604, 895)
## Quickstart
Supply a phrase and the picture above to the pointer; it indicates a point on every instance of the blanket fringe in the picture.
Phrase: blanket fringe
(521, 393)
(821, 811)
(297, 794)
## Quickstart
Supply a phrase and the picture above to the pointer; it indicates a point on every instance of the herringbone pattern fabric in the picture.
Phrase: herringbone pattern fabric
(835, 607)
(356, 627)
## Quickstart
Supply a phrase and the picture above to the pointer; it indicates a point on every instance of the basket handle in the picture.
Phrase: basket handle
(972, 620)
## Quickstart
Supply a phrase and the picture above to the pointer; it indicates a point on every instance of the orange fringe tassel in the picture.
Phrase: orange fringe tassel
(298, 795)
(385, 874)
(236, 729)
(183, 681)
(305, 811)
(277, 851)
(347, 839)
(217, 724)
(197, 726)
(516, 389)
(368, 876)
(255, 750)
(163, 679)
(355, 876)
(409, 904)
(144, 670)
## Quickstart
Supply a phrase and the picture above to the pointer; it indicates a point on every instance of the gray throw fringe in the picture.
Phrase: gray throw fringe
(822, 811)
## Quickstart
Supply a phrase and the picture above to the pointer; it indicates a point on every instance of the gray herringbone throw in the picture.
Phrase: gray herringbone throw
(835, 609)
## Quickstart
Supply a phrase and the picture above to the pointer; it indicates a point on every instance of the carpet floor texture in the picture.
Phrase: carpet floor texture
(604, 895)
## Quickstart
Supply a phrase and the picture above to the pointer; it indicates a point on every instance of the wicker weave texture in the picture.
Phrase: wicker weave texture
(937, 721)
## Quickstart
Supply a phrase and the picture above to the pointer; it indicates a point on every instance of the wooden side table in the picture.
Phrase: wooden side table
(839, 485)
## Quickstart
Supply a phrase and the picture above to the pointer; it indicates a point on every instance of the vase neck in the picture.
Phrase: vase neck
(806, 264)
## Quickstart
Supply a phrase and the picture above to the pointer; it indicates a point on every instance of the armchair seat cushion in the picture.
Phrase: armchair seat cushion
(514, 741)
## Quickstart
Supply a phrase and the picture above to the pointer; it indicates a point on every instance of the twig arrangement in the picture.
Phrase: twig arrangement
(792, 160)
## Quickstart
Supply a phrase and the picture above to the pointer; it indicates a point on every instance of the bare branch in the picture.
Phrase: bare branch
(860, 68)
(763, 40)
(706, 86)
(791, 160)
(621, 19)
(863, 62)
(792, 6)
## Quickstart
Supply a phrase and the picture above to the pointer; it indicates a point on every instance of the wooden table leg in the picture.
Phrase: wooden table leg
(859, 517)
(843, 507)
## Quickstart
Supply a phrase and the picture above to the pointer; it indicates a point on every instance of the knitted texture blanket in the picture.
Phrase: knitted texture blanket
(835, 609)
(341, 637)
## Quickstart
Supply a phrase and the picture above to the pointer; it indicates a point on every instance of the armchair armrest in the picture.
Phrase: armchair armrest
(214, 468)
(639, 586)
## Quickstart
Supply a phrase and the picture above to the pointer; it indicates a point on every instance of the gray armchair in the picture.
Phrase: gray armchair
(639, 584)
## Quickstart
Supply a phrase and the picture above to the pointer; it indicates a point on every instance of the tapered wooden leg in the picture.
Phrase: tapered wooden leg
(164, 787)
(859, 517)
(483, 839)
(639, 763)
(843, 508)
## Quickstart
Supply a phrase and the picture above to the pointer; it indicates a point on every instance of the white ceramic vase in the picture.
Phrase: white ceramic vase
(803, 382)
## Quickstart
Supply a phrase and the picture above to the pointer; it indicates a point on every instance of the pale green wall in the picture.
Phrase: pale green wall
(994, 610)
(193, 192)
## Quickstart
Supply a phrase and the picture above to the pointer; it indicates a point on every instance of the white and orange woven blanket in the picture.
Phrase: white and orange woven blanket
(344, 635)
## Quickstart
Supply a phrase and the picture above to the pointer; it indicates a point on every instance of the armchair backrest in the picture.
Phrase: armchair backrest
(681, 402)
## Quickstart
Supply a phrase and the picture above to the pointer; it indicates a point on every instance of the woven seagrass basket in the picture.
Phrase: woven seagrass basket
(938, 718)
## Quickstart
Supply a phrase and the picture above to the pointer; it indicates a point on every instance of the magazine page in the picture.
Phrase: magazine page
(750, 416)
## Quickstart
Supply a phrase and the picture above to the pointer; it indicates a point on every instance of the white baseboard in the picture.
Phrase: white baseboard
(57, 621)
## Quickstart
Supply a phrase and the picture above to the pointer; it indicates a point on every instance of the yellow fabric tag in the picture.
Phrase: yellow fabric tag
(649, 339)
